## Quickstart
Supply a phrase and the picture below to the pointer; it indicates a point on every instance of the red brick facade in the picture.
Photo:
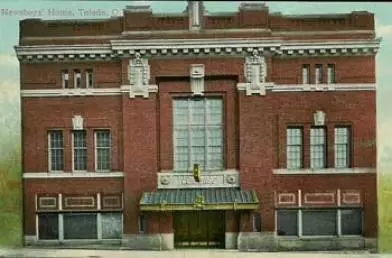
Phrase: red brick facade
(254, 126)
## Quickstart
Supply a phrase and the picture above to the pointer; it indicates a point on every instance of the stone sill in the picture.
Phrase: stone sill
(326, 171)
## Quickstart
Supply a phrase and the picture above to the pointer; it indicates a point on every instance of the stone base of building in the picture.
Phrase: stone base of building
(268, 242)
(243, 241)
(149, 241)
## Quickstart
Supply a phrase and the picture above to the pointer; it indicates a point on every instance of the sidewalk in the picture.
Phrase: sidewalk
(184, 253)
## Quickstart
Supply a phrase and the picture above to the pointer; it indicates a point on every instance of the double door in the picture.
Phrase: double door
(199, 229)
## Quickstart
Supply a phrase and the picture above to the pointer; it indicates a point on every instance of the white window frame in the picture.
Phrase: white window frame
(325, 147)
(348, 146)
(331, 75)
(302, 146)
(77, 75)
(73, 151)
(65, 78)
(50, 150)
(318, 74)
(89, 72)
(206, 127)
(96, 150)
(338, 223)
(306, 74)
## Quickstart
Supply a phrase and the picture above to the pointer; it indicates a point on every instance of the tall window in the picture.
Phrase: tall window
(294, 148)
(80, 150)
(319, 74)
(305, 74)
(102, 150)
(64, 79)
(331, 74)
(318, 155)
(77, 79)
(56, 150)
(342, 147)
(198, 133)
(89, 78)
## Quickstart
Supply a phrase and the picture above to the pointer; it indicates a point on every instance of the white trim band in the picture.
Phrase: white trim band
(240, 87)
(325, 171)
(35, 175)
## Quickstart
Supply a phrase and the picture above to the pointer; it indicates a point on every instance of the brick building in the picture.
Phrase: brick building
(244, 130)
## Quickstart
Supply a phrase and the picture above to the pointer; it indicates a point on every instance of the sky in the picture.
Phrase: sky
(13, 11)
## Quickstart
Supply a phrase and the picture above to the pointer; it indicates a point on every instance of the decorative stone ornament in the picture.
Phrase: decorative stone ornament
(139, 76)
(255, 71)
(197, 79)
(77, 122)
(319, 118)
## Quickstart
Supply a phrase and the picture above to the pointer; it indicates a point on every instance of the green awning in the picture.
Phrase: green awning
(199, 199)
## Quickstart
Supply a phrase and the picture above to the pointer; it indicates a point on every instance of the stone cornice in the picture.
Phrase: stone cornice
(206, 47)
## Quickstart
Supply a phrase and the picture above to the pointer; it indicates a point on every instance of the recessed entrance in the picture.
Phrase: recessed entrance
(199, 229)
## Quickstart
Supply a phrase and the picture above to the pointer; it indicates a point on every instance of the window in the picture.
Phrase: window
(80, 226)
(102, 150)
(198, 133)
(89, 78)
(64, 79)
(287, 222)
(319, 74)
(256, 222)
(342, 147)
(142, 223)
(319, 222)
(80, 150)
(331, 74)
(351, 222)
(318, 157)
(77, 79)
(306, 74)
(111, 225)
(56, 150)
(294, 148)
(48, 226)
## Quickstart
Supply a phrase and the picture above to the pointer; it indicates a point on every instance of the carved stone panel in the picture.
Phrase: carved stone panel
(197, 79)
(172, 180)
(139, 77)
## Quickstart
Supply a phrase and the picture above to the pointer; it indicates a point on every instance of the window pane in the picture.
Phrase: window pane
(103, 138)
(80, 139)
(48, 226)
(287, 222)
(103, 159)
(80, 226)
(111, 225)
(319, 222)
(351, 222)
(57, 159)
(198, 137)
(80, 159)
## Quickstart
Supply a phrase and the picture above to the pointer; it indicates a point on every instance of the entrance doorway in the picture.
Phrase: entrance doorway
(199, 229)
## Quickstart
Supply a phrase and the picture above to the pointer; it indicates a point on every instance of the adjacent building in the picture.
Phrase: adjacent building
(244, 130)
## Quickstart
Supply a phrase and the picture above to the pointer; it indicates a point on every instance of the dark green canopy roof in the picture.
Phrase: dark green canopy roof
(199, 199)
